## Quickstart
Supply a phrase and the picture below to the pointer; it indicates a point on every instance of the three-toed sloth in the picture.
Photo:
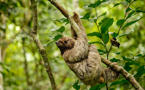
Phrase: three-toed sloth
(83, 59)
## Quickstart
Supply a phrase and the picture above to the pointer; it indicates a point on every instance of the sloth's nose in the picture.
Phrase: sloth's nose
(56, 42)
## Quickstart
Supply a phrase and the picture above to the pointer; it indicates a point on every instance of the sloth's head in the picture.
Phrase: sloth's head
(65, 43)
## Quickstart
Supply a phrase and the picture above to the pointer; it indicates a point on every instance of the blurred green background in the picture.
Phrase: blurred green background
(22, 66)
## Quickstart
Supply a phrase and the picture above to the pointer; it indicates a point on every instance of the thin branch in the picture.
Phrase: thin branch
(34, 12)
(25, 63)
(61, 9)
(109, 51)
(124, 17)
(63, 80)
(115, 67)
(42, 50)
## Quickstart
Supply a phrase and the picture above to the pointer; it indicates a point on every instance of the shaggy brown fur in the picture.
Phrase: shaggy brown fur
(83, 59)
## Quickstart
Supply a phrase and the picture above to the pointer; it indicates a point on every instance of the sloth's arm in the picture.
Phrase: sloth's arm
(78, 31)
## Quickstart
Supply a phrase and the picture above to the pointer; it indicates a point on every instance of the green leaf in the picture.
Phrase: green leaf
(61, 29)
(126, 59)
(140, 71)
(124, 34)
(86, 16)
(114, 35)
(63, 20)
(130, 23)
(114, 60)
(105, 38)
(94, 5)
(97, 87)
(96, 42)
(120, 22)
(128, 1)
(119, 82)
(127, 66)
(128, 9)
(117, 53)
(137, 10)
(103, 14)
(3, 6)
(129, 62)
(105, 24)
(140, 55)
(116, 4)
(57, 37)
(97, 34)
(97, 3)
(101, 52)
(130, 14)
(76, 85)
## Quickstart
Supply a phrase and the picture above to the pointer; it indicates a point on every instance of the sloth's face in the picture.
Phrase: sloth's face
(65, 43)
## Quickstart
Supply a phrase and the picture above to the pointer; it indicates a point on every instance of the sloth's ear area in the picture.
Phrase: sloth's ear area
(59, 44)
(70, 43)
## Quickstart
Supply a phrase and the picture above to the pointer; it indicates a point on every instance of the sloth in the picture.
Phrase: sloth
(83, 59)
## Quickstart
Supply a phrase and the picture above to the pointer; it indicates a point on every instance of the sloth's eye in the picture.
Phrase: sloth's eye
(65, 42)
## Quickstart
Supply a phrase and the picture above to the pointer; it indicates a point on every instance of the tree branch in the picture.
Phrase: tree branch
(121, 70)
(42, 50)
(25, 62)
(61, 9)
(117, 68)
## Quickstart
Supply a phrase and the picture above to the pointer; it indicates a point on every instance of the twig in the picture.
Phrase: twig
(34, 11)
(42, 50)
(63, 80)
(119, 29)
(115, 67)
(109, 51)
(25, 62)
(124, 18)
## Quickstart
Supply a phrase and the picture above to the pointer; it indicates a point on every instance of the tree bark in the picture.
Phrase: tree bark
(1, 76)
(42, 50)
(2, 49)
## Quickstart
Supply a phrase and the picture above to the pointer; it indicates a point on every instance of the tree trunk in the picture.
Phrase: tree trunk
(1, 76)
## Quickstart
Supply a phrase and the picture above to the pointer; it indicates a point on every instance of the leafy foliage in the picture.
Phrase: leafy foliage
(120, 22)
(97, 34)
(97, 87)
(130, 23)
(103, 20)
(97, 3)
(61, 29)
(105, 24)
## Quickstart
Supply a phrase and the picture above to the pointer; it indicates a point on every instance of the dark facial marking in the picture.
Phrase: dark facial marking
(65, 43)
